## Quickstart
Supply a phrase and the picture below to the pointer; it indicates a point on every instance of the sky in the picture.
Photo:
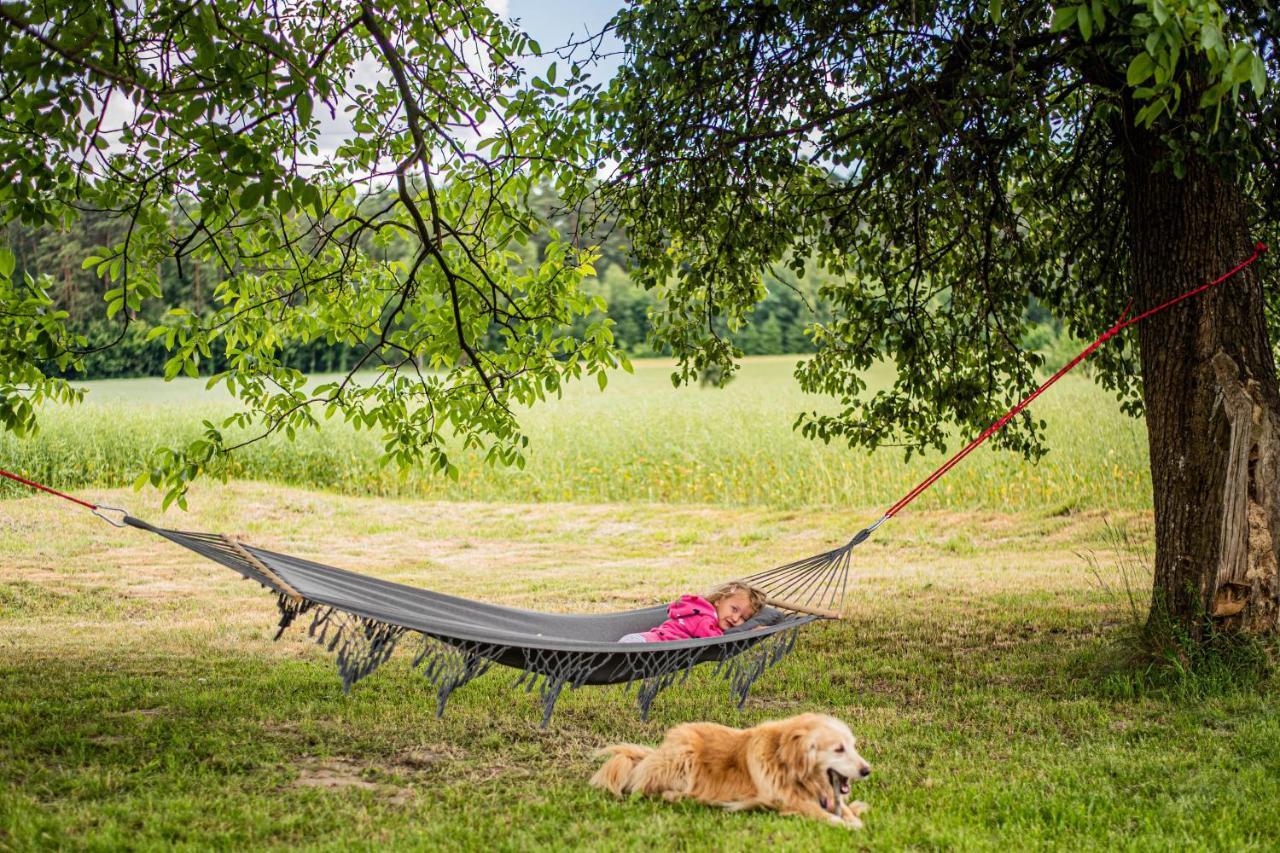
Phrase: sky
(551, 23)
(555, 22)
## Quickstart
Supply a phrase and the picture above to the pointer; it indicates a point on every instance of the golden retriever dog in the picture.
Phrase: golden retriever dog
(802, 765)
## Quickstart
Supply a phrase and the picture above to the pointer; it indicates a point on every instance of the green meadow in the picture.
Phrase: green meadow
(639, 440)
(984, 659)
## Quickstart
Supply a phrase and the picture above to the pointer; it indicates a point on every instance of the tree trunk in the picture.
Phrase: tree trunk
(1213, 409)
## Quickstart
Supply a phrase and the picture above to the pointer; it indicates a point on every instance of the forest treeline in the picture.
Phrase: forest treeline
(120, 346)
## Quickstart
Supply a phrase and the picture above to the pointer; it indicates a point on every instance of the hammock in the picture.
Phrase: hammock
(363, 619)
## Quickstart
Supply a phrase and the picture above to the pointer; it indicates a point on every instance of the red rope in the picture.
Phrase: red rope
(25, 482)
(1120, 326)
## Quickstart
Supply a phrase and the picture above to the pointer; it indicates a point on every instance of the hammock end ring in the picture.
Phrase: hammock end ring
(97, 510)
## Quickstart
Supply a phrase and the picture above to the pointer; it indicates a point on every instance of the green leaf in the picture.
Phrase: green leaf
(194, 110)
(1085, 20)
(1163, 72)
(1242, 66)
(1063, 17)
(304, 109)
(1211, 40)
(1140, 69)
(252, 194)
(6, 262)
(1257, 75)
(995, 10)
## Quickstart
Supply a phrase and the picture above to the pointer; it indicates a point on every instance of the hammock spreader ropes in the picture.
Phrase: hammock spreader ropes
(362, 619)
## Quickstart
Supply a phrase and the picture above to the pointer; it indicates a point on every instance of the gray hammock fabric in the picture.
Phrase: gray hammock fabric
(362, 620)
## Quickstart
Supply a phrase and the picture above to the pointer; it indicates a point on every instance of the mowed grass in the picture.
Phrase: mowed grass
(145, 706)
(639, 440)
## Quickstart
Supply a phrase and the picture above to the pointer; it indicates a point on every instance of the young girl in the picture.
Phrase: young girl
(725, 607)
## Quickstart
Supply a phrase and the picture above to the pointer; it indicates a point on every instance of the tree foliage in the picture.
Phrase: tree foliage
(197, 127)
(789, 306)
(944, 161)
(931, 169)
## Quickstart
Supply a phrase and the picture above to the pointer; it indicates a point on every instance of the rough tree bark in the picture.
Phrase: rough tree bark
(1213, 408)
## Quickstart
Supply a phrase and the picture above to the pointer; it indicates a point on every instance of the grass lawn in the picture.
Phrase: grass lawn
(144, 704)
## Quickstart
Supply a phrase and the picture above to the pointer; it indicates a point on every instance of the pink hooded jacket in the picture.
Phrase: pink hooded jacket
(690, 617)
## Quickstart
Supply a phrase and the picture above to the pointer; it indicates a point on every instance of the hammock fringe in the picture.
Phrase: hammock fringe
(742, 670)
(361, 644)
(448, 666)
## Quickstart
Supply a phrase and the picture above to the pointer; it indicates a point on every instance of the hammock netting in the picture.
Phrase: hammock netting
(362, 620)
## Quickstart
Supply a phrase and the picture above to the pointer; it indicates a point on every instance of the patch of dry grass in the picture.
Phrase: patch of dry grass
(570, 557)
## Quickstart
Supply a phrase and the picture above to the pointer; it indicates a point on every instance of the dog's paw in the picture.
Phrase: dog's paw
(850, 814)
(844, 821)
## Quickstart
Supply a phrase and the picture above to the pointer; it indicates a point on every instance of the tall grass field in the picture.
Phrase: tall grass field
(639, 440)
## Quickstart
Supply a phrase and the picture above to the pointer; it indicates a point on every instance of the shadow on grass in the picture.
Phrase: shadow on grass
(1158, 659)
(1151, 654)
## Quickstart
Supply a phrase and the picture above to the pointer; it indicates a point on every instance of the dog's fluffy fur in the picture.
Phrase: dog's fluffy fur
(800, 765)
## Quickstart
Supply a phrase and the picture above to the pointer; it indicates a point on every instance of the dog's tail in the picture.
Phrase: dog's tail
(614, 775)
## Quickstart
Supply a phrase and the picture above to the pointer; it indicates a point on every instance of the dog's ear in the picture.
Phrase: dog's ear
(795, 752)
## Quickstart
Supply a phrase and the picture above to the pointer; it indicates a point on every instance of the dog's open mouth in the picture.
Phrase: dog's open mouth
(839, 790)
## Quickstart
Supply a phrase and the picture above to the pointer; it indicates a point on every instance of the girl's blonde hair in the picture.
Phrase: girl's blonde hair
(755, 596)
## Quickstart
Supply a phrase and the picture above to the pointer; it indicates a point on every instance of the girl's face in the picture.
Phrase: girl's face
(733, 610)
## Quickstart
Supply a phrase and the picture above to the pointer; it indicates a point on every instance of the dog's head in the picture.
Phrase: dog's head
(822, 752)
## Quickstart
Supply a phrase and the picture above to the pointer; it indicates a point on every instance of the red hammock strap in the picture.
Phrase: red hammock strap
(26, 482)
(1119, 326)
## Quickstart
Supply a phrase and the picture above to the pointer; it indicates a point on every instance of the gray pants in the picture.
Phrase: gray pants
(633, 638)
